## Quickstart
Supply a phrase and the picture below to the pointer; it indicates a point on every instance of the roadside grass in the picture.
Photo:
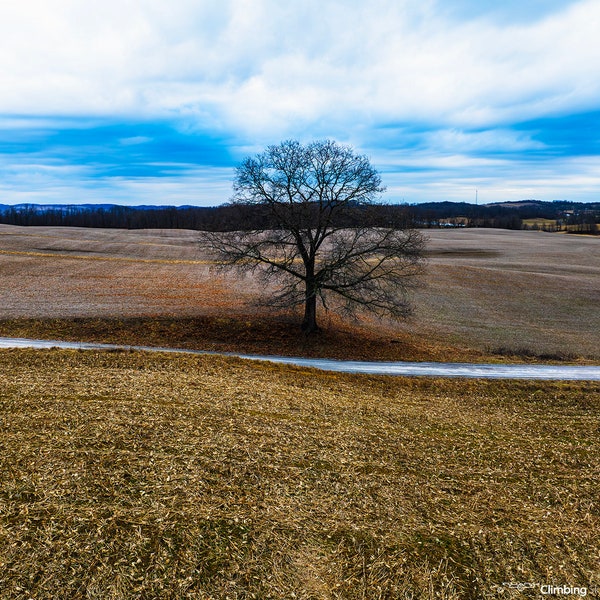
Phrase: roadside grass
(130, 475)
(275, 334)
(524, 352)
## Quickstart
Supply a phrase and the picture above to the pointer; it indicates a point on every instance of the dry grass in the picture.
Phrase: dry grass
(62, 272)
(540, 222)
(486, 292)
(251, 334)
(127, 475)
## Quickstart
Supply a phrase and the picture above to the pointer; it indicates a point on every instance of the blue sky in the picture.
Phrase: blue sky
(155, 102)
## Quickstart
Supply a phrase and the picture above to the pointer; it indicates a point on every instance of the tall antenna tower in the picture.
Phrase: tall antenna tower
(476, 197)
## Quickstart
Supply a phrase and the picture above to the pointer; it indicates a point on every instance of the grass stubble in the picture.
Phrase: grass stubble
(130, 475)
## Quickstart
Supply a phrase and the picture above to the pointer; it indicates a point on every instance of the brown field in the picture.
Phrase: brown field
(485, 293)
(540, 222)
(129, 475)
(513, 291)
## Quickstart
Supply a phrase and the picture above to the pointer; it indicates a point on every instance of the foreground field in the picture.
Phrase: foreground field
(128, 475)
(485, 292)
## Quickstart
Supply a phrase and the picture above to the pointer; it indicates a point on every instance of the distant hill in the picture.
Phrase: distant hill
(551, 206)
(520, 203)
(77, 207)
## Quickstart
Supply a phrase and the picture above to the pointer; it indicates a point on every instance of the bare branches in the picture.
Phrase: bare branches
(311, 193)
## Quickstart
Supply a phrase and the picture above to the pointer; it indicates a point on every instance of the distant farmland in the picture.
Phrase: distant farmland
(532, 292)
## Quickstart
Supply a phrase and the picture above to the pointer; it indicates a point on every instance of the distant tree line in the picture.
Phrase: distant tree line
(580, 217)
(218, 218)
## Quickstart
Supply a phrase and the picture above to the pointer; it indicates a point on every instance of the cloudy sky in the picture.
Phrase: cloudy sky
(156, 101)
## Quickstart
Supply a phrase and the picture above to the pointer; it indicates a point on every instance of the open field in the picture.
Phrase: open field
(485, 292)
(70, 272)
(514, 291)
(540, 222)
(128, 475)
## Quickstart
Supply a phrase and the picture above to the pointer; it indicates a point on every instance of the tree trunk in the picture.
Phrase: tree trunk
(309, 324)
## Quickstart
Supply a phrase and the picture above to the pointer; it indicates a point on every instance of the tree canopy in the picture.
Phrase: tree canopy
(320, 245)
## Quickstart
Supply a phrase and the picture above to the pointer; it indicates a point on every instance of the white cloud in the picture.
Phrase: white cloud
(499, 140)
(447, 79)
(59, 183)
(455, 178)
(267, 68)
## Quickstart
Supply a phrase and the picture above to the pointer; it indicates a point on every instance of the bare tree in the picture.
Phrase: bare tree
(318, 244)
